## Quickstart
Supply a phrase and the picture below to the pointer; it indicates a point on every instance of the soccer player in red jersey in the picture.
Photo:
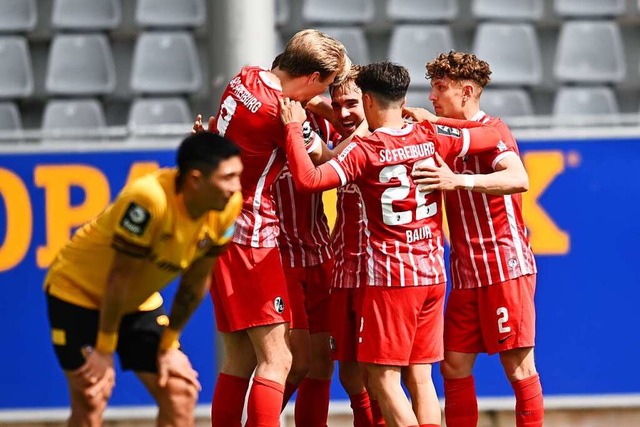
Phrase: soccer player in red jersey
(491, 307)
(401, 320)
(350, 270)
(249, 288)
(307, 259)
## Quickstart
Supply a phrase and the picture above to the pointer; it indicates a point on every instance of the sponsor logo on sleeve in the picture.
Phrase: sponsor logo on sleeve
(135, 219)
(346, 151)
(501, 146)
(448, 131)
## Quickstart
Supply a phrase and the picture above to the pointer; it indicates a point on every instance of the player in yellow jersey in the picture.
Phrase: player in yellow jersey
(102, 289)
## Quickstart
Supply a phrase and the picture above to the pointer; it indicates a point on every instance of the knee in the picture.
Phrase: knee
(321, 366)
(279, 360)
(454, 369)
(351, 381)
(179, 402)
(518, 363)
(299, 369)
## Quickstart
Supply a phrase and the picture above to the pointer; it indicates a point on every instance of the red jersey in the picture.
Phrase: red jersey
(349, 240)
(249, 116)
(489, 242)
(404, 225)
(304, 232)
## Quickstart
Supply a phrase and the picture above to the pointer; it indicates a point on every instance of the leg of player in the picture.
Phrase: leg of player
(233, 380)
(176, 401)
(273, 354)
(460, 402)
(520, 369)
(301, 359)
(352, 381)
(312, 403)
(88, 401)
(424, 398)
(385, 383)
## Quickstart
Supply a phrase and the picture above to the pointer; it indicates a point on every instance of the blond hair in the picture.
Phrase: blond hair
(309, 51)
(459, 66)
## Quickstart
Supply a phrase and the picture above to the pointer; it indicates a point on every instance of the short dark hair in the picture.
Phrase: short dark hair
(203, 151)
(386, 81)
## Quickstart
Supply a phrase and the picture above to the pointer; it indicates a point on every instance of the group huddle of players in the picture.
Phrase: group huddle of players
(292, 296)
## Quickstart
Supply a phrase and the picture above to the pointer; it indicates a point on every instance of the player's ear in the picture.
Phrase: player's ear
(314, 77)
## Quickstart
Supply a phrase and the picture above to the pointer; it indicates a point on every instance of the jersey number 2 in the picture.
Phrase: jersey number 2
(401, 192)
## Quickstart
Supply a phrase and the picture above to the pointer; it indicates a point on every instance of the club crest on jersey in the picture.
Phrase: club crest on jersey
(501, 146)
(512, 263)
(135, 219)
(448, 131)
(278, 304)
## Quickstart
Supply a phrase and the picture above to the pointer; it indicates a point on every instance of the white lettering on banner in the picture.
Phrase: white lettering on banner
(244, 95)
(425, 149)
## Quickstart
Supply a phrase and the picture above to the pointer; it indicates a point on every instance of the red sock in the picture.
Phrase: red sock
(312, 403)
(361, 406)
(378, 419)
(460, 403)
(529, 402)
(228, 400)
(289, 389)
(265, 402)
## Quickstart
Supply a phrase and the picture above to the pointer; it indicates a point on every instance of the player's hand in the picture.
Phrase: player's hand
(174, 363)
(419, 114)
(436, 176)
(96, 376)
(291, 111)
(197, 125)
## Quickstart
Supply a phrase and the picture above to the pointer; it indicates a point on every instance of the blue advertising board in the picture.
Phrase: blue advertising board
(580, 210)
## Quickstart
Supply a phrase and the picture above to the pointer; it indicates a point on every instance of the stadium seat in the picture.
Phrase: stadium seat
(170, 13)
(512, 50)
(419, 98)
(416, 10)
(165, 62)
(282, 11)
(353, 39)
(69, 115)
(507, 9)
(590, 51)
(337, 11)
(513, 102)
(587, 8)
(575, 101)
(415, 45)
(18, 15)
(9, 117)
(85, 15)
(16, 74)
(159, 111)
(80, 65)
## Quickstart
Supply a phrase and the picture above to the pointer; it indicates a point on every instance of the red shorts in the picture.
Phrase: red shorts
(308, 289)
(346, 304)
(401, 326)
(248, 288)
(493, 318)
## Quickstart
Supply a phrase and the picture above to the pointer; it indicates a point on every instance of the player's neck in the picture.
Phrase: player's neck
(189, 206)
(391, 118)
(470, 111)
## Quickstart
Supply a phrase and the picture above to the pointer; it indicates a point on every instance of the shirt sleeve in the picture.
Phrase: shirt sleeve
(506, 147)
(306, 176)
(136, 214)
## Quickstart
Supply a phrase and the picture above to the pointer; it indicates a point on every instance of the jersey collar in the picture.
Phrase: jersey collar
(264, 76)
(478, 116)
(406, 130)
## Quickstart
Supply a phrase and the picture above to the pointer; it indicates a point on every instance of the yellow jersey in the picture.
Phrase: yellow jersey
(149, 220)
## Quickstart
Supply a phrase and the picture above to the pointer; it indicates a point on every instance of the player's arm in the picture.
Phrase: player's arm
(510, 177)
(306, 176)
(192, 289)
